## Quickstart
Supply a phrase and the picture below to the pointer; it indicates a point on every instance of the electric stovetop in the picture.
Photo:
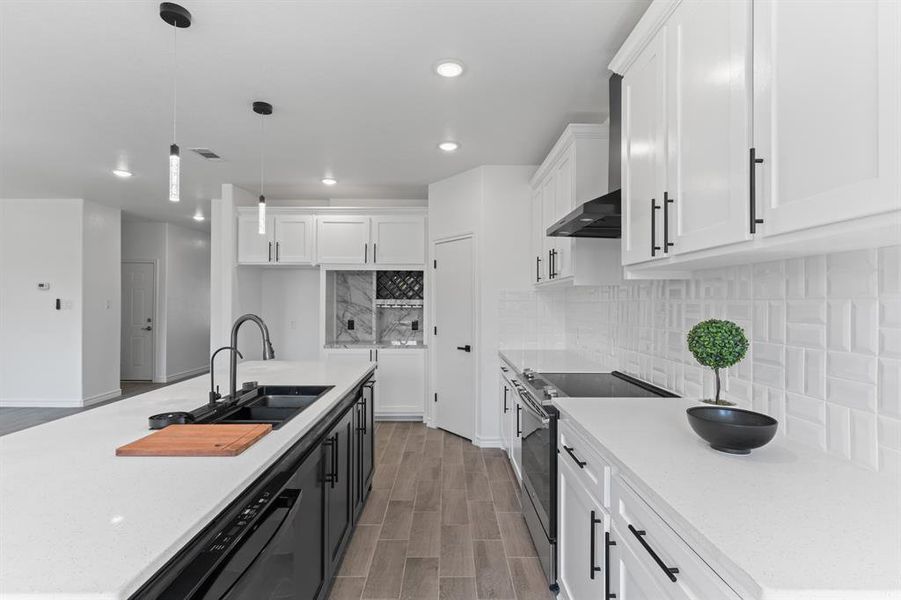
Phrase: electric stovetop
(597, 385)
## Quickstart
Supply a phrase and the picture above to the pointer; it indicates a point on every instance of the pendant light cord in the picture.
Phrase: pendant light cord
(262, 153)
(174, 83)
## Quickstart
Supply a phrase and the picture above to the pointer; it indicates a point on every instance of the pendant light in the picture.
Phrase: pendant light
(262, 109)
(179, 18)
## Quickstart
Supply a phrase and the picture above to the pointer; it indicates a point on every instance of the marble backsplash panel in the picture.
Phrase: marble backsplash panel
(395, 325)
(354, 301)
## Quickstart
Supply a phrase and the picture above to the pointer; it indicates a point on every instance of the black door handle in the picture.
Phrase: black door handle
(752, 191)
(654, 208)
(466, 348)
(505, 399)
(666, 202)
(518, 428)
(593, 569)
(609, 543)
(537, 269)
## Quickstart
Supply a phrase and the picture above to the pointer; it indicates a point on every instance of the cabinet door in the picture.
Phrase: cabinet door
(643, 153)
(516, 445)
(826, 111)
(549, 215)
(338, 446)
(581, 543)
(564, 200)
(367, 437)
(254, 248)
(398, 240)
(538, 230)
(629, 579)
(343, 240)
(400, 385)
(310, 541)
(294, 239)
(708, 79)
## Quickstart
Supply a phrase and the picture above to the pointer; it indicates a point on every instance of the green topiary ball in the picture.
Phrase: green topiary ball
(717, 344)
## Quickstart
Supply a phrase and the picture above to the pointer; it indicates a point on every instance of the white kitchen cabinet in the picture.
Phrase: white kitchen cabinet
(629, 578)
(515, 450)
(254, 248)
(288, 239)
(644, 153)
(581, 537)
(829, 146)
(398, 240)
(400, 383)
(708, 83)
(574, 172)
(293, 234)
(506, 400)
(343, 240)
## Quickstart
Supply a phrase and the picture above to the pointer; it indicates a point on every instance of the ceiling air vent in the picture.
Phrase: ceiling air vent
(206, 153)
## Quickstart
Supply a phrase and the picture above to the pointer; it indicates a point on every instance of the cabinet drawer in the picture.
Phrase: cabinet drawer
(660, 550)
(593, 471)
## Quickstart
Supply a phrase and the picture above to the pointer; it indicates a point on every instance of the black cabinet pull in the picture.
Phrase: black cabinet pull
(669, 571)
(752, 188)
(329, 476)
(608, 543)
(335, 462)
(270, 252)
(593, 569)
(505, 399)
(466, 348)
(537, 269)
(374, 253)
(278, 247)
(569, 450)
(555, 264)
(654, 209)
(666, 202)
(361, 405)
(518, 428)
(365, 253)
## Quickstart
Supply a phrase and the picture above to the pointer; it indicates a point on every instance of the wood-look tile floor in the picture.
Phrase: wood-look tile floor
(443, 521)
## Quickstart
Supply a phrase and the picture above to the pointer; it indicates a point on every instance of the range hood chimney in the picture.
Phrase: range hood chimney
(601, 217)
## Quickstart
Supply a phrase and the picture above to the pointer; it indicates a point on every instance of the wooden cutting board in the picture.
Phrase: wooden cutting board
(196, 440)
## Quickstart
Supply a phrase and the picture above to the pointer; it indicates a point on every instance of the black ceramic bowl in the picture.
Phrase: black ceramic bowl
(732, 430)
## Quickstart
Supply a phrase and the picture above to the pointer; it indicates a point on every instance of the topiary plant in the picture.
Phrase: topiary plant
(719, 345)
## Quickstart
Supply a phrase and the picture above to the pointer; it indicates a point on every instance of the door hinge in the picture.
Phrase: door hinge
(436, 396)
(434, 264)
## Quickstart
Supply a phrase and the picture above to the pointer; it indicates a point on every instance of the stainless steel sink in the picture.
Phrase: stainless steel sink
(272, 404)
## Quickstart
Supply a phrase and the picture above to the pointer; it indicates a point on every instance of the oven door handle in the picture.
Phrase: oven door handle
(534, 408)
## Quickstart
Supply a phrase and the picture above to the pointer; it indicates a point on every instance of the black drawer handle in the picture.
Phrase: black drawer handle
(609, 544)
(569, 450)
(669, 571)
(593, 569)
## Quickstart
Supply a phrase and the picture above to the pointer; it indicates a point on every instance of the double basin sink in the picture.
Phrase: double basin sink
(268, 404)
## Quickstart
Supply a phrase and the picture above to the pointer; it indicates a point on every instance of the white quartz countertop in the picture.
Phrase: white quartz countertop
(551, 361)
(783, 523)
(79, 522)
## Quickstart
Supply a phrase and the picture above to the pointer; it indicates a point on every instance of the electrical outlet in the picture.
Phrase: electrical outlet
(415, 325)
(350, 324)
(293, 324)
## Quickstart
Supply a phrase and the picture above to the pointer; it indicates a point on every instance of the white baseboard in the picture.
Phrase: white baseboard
(58, 402)
(482, 442)
(101, 397)
(398, 416)
(170, 377)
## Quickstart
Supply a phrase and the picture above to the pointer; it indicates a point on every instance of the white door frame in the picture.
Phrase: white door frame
(157, 319)
(430, 413)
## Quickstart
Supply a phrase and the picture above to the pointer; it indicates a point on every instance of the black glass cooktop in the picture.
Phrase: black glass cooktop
(600, 385)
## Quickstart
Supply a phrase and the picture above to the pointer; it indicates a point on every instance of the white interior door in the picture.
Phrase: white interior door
(138, 285)
(455, 371)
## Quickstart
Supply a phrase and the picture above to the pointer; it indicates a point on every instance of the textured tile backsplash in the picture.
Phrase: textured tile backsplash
(825, 332)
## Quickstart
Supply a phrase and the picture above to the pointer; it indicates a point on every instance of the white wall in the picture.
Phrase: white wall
(40, 347)
(290, 308)
(182, 257)
(102, 290)
(187, 301)
(492, 202)
(825, 332)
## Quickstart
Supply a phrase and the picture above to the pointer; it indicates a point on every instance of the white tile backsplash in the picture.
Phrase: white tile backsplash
(825, 333)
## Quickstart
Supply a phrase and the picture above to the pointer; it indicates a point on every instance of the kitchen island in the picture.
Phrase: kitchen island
(786, 522)
(76, 521)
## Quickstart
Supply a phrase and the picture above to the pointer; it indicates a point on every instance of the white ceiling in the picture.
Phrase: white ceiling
(87, 86)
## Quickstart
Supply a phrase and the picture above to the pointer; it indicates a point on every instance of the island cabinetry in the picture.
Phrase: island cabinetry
(339, 447)
(364, 436)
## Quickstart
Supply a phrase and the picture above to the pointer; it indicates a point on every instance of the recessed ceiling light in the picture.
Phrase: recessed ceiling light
(198, 216)
(448, 146)
(329, 181)
(449, 68)
(121, 173)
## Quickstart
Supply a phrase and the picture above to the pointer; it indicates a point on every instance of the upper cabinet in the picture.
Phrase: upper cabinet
(574, 172)
(826, 111)
(288, 240)
(398, 240)
(739, 138)
(343, 240)
(309, 237)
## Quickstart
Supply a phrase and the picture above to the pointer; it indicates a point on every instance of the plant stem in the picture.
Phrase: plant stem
(717, 373)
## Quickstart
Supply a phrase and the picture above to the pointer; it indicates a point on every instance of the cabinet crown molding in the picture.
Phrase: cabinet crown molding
(337, 210)
(572, 133)
(647, 27)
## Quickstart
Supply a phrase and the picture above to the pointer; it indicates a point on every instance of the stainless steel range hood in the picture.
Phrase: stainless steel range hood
(601, 217)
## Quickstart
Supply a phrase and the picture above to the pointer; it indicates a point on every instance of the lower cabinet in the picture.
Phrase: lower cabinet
(506, 398)
(515, 450)
(364, 432)
(400, 385)
(581, 544)
(338, 447)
